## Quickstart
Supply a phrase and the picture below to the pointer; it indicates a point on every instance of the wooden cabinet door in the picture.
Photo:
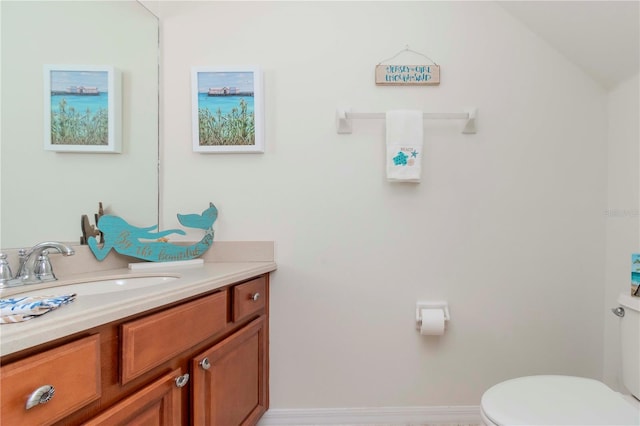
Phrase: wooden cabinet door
(230, 379)
(158, 404)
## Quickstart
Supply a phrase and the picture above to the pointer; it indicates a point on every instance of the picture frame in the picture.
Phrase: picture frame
(227, 110)
(82, 109)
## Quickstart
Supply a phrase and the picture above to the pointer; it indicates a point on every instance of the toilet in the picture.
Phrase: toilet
(567, 400)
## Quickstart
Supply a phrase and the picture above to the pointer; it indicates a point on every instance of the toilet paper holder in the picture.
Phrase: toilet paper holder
(431, 305)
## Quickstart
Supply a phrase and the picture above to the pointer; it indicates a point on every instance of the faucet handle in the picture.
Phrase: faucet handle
(22, 256)
(42, 269)
(5, 270)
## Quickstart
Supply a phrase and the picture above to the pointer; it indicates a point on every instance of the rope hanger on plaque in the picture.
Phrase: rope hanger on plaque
(407, 75)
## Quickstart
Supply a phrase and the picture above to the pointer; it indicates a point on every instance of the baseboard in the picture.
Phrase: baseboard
(389, 416)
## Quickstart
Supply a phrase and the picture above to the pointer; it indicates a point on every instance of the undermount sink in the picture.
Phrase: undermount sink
(101, 286)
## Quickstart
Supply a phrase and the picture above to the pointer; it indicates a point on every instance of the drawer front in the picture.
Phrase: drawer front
(249, 298)
(72, 369)
(152, 340)
(158, 404)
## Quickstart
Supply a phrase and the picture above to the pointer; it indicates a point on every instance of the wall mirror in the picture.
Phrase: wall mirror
(43, 194)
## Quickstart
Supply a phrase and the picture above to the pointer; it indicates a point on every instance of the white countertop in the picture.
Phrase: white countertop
(93, 310)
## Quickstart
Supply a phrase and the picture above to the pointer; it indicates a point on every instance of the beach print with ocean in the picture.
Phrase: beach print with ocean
(226, 108)
(79, 107)
(635, 273)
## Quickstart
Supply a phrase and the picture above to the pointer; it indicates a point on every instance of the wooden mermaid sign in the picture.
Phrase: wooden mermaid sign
(145, 244)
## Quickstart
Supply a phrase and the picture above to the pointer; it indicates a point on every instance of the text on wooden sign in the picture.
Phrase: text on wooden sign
(399, 75)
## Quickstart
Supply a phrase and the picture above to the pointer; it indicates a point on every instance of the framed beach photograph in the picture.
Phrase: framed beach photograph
(82, 108)
(227, 110)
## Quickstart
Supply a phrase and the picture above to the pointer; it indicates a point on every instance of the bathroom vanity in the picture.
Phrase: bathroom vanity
(193, 350)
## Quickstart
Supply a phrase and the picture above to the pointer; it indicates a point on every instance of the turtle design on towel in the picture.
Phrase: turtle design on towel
(143, 243)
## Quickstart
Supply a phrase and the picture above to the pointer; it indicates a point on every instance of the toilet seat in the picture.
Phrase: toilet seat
(556, 400)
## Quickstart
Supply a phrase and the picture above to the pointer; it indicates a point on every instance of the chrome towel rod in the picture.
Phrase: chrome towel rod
(345, 115)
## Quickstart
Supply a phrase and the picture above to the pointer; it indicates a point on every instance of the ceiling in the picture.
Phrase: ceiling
(601, 37)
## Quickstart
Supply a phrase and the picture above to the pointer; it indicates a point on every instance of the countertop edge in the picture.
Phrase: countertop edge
(92, 311)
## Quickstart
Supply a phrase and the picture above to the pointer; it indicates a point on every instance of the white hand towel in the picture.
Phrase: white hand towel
(404, 146)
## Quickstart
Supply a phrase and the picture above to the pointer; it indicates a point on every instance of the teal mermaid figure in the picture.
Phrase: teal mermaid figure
(145, 244)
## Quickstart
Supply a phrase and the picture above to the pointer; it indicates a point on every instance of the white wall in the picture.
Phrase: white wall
(507, 225)
(622, 214)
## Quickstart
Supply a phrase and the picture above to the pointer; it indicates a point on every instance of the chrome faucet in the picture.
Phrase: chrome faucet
(34, 263)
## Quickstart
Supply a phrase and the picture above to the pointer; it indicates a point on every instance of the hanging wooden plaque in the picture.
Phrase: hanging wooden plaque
(407, 75)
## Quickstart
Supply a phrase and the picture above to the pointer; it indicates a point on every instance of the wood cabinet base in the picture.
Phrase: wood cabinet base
(125, 372)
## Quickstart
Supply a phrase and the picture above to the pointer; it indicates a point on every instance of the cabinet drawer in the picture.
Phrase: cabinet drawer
(152, 340)
(72, 369)
(159, 403)
(249, 298)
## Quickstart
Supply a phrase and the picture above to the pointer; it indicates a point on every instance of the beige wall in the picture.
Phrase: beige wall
(507, 225)
(622, 214)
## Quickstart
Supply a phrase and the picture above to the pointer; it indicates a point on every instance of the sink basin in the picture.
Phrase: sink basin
(101, 286)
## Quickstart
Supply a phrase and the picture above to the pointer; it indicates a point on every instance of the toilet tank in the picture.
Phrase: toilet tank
(630, 341)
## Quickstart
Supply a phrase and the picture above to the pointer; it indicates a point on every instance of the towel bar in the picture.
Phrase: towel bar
(345, 115)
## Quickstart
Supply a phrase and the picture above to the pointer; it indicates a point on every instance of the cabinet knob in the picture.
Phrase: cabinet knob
(181, 381)
(42, 395)
(619, 311)
(254, 296)
(205, 364)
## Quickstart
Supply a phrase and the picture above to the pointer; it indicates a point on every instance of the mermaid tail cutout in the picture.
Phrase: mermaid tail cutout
(201, 221)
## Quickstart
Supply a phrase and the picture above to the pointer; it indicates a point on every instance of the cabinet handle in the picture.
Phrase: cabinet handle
(619, 311)
(254, 296)
(182, 380)
(42, 395)
(205, 364)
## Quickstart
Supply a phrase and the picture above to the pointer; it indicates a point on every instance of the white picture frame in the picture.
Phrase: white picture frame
(82, 108)
(227, 110)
